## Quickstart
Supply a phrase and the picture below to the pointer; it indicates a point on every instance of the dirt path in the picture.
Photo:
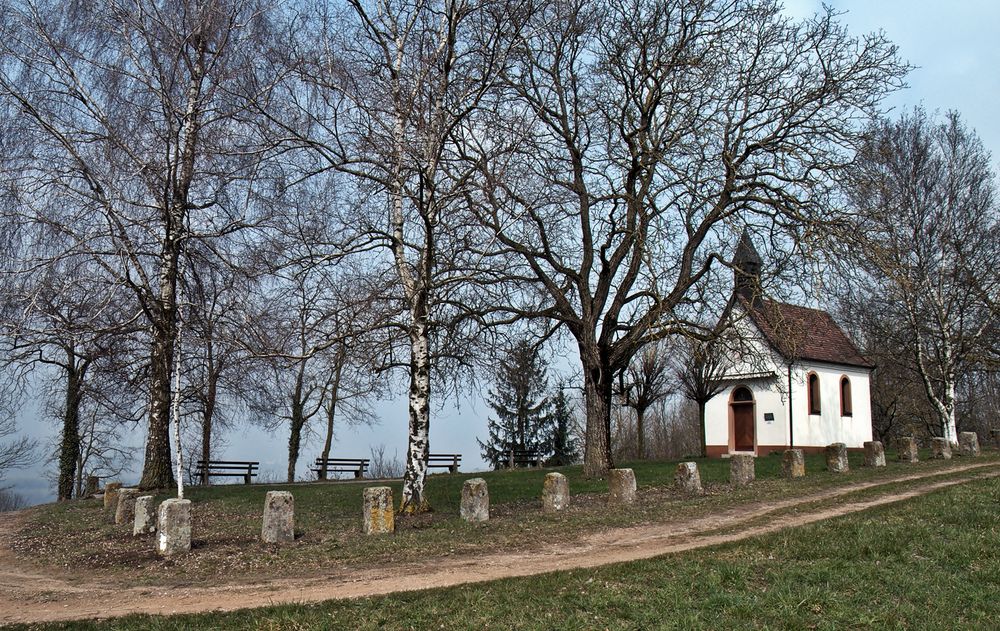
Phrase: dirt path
(28, 596)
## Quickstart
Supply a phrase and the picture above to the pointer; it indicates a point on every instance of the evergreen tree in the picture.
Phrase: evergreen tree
(523, 409)
(564, 446)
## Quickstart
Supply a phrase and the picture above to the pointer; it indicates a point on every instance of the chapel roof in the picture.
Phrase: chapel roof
(803, 333)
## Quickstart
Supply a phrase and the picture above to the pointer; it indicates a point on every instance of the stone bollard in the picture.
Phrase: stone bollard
(874, 454)
(125, 512)
(621, 486)
(793, 464)
(379, 518)
(555, 493)
(940, 449)
(111, 495)
(742, 469)
(687, 479)
(836, 458)
(968, 443)
(475, 501)
(279, 517)
(908, 449)
(145, 516)
(93, 486)
(173, 525)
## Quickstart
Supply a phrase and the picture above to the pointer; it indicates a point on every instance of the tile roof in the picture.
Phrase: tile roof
(803, 333)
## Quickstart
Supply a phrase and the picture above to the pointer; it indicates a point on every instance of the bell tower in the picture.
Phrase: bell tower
(746, 270)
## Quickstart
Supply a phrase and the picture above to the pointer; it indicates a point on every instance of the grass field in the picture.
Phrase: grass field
(78, 537)
(927, 563)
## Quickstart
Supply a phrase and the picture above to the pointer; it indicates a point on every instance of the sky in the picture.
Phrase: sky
(955, 49)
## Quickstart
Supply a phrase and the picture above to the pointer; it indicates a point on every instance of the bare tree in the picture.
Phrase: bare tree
(61, 317)
(385, 95)
(216, 357)
(131, 110)
(699, 367)
(632, 137)
(15, 451)
(924, 245)
(646, 381)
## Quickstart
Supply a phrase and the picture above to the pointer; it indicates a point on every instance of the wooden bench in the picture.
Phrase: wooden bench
(445, 461)
(524, 457)
(357, 466)
(227, 468)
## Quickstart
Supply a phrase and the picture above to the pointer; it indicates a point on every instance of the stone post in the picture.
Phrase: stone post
(475, 505)
(687, 479)
(279, 517)
(555, 493)
(742, 469)
(379, 518)
(793, 464)
(145, 516)
(173, 525)
(968, 443)
(908, 449)
(940, 449)
(874, 454)
(93, 486)
(621, 486)
(836, 458)
(125, 512)
(111, 495)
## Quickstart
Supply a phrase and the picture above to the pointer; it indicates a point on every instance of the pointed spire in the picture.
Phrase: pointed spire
(746, 253)
(746, 269)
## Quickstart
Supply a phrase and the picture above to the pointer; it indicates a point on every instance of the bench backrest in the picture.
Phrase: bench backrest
(227, 464)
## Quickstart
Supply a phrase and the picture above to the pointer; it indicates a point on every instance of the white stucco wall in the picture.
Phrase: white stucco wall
(829, 426)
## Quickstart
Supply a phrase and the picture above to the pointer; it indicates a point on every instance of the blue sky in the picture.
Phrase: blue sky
(955, 47)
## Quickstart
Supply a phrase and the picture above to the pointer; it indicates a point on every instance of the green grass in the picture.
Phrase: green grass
(928, 563)
(78, 538)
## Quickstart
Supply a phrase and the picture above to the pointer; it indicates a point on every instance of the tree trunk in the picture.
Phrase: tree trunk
(331, 412)
(208, 415)
(597, 392)
(69, 450)
(298, 421)
(156, 471)
(949, 424)
(414, 500)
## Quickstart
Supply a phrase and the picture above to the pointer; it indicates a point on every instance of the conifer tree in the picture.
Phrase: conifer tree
(564, 446)
(522, 406)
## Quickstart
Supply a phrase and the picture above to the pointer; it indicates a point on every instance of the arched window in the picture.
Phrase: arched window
(742, 394)
(814, 407)
(846, 409)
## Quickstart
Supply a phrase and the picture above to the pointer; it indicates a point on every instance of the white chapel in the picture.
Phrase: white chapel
(800, 382)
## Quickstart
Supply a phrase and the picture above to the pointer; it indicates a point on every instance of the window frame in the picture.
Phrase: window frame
(846, 403)
(814, 398)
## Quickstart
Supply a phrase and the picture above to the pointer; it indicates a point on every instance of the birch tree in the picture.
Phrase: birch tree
(633, 140)
(924, 239)
(384, 95)
(130, 109)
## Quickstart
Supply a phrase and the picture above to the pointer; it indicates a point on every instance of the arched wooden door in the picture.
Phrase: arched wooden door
(742, 406)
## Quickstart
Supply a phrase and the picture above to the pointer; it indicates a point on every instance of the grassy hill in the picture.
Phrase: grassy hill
(929, 562)
(227, 520)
